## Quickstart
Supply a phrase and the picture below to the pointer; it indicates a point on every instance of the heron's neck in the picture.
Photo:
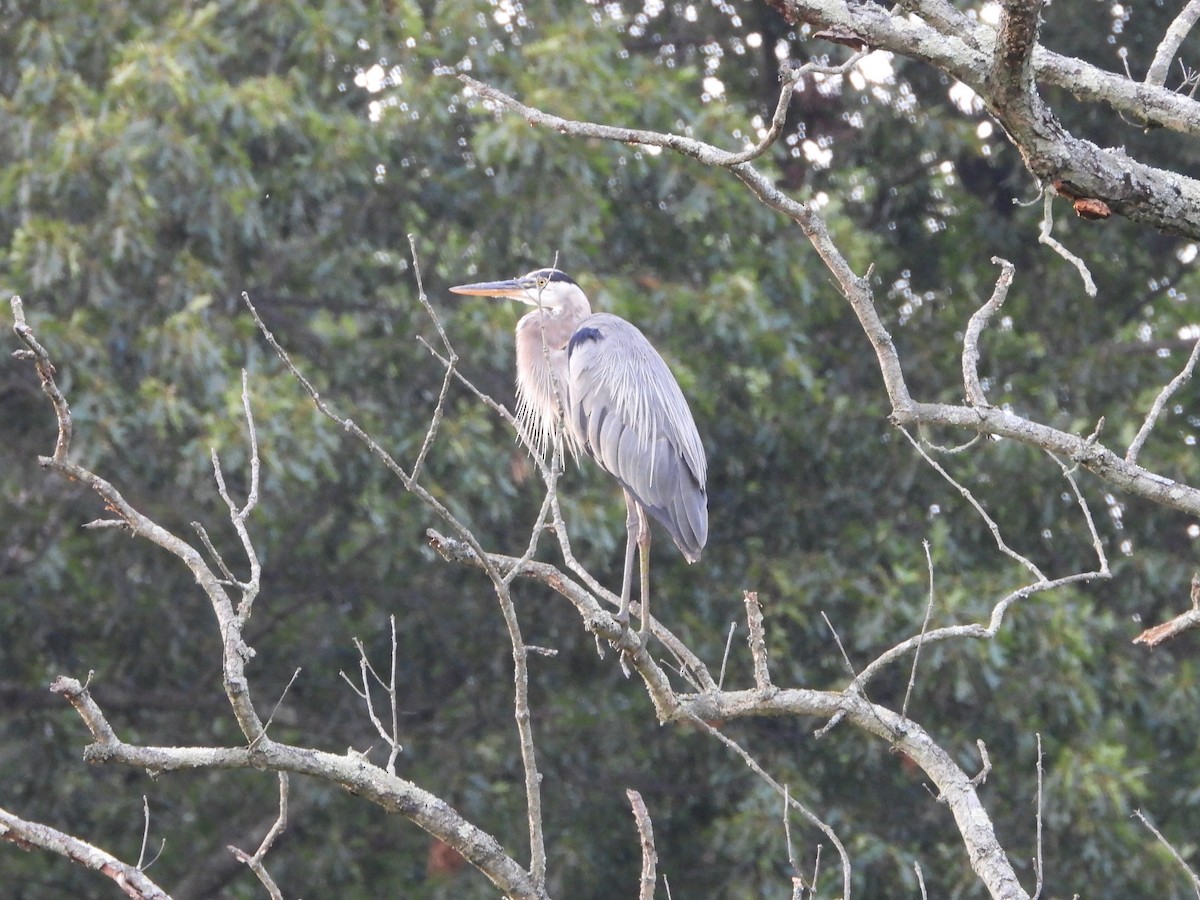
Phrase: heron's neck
(554, 326)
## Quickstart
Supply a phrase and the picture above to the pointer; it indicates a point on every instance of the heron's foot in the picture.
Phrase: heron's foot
(622, 618)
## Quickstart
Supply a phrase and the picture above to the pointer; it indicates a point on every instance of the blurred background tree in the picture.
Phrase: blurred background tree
(156, 159)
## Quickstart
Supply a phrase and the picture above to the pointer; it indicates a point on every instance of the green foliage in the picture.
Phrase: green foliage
(159, 159)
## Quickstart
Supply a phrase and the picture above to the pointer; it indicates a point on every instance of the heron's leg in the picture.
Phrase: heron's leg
(631, 528)
(644, 560)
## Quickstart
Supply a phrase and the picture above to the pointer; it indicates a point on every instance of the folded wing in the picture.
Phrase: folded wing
(627, 411)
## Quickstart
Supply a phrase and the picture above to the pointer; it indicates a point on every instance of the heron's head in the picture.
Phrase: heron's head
(549, 289)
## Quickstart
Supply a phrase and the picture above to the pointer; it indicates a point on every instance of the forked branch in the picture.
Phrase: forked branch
(131, 880)
(235, 650)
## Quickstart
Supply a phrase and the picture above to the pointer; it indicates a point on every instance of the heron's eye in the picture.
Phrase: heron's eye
(542, 282)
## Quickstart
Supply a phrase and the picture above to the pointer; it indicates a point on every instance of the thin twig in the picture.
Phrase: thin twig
(98, 524)
(645, 829)
(392, 737)
(550, 475)
(797, 878)
(1169, 46)
(251, 586)
(393, 701)
(1086, 510)
(725, 657)
(792, 802)
(252, 496)
(27, 835)
(235, 651)
(996, 619)
(975, 326)
(788, 78)
(372, 445)
(837, 717)
(920, 880)
(841, 647)
(950, 451)
(524, 438)
(1044, 237)
(970, 498)
(145, 832)
(1191, 873)
(985, 764)
(757, 639)
(451, 360)
(533, 778)
(230, 578)
(706, 153)
(46, 373)
(1037, 859)
(255, 862)
(274, 709)
(976, 631)
(912, 675)
(1185, 621)
(1160, 401)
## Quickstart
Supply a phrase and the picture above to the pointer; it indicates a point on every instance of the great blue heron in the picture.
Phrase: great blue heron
(623, 408)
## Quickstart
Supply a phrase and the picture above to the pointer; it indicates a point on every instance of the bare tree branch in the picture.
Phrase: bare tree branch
(942, 16)
(725, 655)
(920, 880)
(975, 326)
(1185, 621)
(1037, 857)
(391, 736)
(783, 792)
(641, 816)
(237, 516)
(758, 641)
(450, 361)
(912, 672)
(983, 848)
(984, 632)
(905, 411)
(1010, 76)
(520, 656)
(1191, 873)
(46, 372)
(392, 793)
(1165, 54)
(970, 498)
(1080, 168)
(132, 881)
(351, 771)
(1185, 375)
(255, 861)
(235, 650)
(1045, 237)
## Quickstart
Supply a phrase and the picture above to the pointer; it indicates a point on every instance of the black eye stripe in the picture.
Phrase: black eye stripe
(545, 276)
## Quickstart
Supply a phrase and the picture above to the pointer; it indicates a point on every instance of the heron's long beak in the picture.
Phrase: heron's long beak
(512, 288)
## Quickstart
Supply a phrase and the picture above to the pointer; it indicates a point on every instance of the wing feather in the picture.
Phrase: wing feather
(629, 414)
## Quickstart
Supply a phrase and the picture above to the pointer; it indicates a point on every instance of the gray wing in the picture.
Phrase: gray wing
(626, 409)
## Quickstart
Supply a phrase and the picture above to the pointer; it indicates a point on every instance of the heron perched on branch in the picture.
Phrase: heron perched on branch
(622, 406)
